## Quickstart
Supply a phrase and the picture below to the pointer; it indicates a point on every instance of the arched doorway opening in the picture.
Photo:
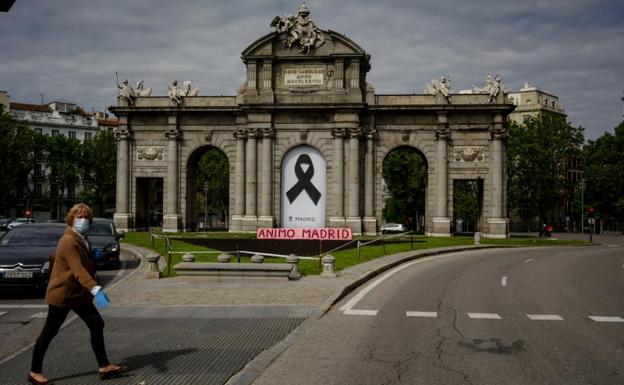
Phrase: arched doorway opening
(467, 205)
(208, 190)
(404, 188)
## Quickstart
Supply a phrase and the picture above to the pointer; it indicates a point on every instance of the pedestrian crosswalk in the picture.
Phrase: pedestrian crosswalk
(485, 316)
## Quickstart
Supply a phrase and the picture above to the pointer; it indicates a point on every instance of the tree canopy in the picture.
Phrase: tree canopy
(16, 159)
(213, 171)
(99, 169)
(536, 154)
(603, 174)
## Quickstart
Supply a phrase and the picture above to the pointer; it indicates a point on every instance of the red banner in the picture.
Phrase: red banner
(328, 234)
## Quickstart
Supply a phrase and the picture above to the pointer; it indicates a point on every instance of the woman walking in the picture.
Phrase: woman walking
(73, 287)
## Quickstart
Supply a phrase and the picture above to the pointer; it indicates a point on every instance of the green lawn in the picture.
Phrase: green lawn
(344, 258)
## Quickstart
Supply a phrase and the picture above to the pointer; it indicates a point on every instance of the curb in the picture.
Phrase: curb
(255, 367)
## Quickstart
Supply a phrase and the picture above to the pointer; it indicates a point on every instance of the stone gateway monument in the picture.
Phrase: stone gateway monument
(305, 137)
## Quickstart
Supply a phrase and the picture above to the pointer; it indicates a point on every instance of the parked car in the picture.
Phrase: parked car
(104, 242)
(19, 221)
(4, 221)
(26, 252)
(392, 228)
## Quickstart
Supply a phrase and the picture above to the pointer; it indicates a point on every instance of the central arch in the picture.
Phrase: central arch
(207, 193)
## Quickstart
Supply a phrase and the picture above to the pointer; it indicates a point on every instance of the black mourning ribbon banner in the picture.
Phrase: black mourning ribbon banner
(304, 181)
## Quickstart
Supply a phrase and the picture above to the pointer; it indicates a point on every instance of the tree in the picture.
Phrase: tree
(466, 202)
(603, 171)
(64, 161)
(405, 174)
(536, 154)
(213, 170)
(99, 160)
(16, 159)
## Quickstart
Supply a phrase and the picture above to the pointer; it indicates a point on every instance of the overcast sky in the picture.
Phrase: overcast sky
(71, 49)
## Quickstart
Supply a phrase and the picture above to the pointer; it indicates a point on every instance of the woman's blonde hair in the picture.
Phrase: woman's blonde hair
(77, 209)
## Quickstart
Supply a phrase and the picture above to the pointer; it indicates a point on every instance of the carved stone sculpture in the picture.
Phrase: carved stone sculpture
(468, 153)
(150, 153)
(142, 91)
(442, 86)
(188, 91)
(174, 92)
(300, 30)
(126, 92)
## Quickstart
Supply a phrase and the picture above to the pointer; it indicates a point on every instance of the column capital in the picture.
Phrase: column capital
(498, 133)
(240, 134)
(253, 133)
(267, 133)
(173, 134)
(339, 133)
(443, 133)
(122, 134)
(371, 134)
(355, 133)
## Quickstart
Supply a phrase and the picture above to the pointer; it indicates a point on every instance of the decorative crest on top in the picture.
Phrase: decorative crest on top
(300, 29)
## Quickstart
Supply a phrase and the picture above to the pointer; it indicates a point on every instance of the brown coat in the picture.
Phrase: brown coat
(73, 273)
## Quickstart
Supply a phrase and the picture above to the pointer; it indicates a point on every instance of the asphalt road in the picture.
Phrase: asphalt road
(22, 312)
(505, 316)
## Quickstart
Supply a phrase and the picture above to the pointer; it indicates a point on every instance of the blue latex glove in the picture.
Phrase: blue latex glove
(101, 299)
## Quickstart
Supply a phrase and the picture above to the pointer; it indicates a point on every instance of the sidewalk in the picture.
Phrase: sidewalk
(199, 330)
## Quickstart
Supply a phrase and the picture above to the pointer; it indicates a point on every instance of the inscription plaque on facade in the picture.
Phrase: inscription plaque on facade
(304, 77)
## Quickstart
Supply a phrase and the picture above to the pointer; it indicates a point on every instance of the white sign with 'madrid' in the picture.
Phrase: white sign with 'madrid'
(303, 77)
(303, 188)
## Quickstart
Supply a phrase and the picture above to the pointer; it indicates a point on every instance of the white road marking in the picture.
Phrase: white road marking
(504, 281)
(529, 260)
(605, 319)
(544, 317)
(39, 315)
(360, 312)
(2, 313)
(23, 306)
(424, 314)
(358, 297)
(484, 316)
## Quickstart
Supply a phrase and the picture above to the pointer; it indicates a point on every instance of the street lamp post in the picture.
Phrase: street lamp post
(582, 206)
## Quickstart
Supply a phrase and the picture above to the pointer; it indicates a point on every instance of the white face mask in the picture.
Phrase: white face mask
(81, 225)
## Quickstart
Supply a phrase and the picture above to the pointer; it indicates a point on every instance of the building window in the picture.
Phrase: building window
(39, 131)
(55, 132)
(71, 192)
(38, 170)
(525, 118)
(38, 190)
(72, 134)
(87, 136)
(528, 101)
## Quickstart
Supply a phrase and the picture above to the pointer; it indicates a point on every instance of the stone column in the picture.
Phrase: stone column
(497, 221)
(338, 182)
(370, 221)
(266, 217)
(171, 217)
(123, 217)
(441, 220)
(251, 215)
(252, 76)
(239, 181)
(354, 221)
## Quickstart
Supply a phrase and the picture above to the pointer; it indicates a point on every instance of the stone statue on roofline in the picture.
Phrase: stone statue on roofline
(125, 91)
(442, 87)
(300, 30)
(142, 91)
(187, 90)
(174, 92)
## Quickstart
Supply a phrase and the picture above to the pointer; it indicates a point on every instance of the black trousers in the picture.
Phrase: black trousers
(56, 317)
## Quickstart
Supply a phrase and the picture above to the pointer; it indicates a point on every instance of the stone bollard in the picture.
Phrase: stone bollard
(329, 264)
(152, 266)
(477, 238)
(224, 258)
(293, 260)
(188, 257)
(257, 258)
